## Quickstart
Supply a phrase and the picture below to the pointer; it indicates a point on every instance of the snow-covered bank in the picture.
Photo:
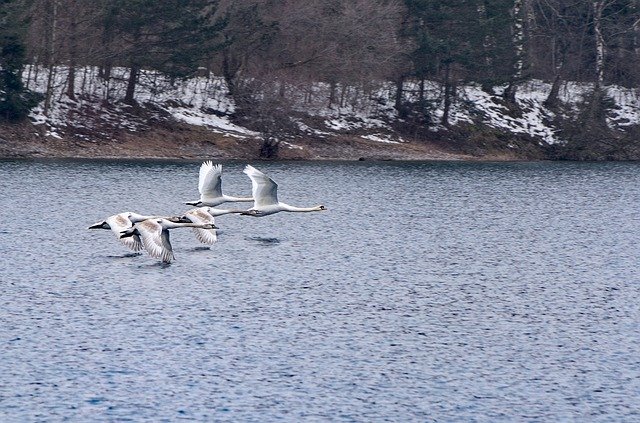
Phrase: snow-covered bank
(96, 116)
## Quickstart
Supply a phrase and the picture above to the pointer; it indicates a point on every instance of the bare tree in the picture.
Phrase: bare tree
(600, 46)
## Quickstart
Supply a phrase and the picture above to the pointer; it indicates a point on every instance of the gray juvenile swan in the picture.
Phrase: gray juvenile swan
(210, 187)
(121, 222)
(154, 234)
(206, 215)
(265, 196)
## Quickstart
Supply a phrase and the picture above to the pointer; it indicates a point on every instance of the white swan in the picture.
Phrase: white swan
(154, 234)
(210, 187)
(123, 221)
(203, 215)
(265, 195)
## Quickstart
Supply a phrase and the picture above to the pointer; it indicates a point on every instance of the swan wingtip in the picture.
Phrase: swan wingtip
(248, 169)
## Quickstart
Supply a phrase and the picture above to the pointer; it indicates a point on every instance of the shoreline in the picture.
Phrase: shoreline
(185, 142)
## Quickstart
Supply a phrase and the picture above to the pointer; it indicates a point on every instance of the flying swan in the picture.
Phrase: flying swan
(203, 215)
(265, 195)
(121, 222)
(210, 187)
(154, 234)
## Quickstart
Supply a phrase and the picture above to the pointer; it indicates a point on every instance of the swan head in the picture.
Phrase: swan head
(179, 219)
(100, 225)
(321, 207)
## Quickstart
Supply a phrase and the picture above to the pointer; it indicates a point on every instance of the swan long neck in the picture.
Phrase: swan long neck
(174, 225)
(221, 212)
(288, 208)
(135, 218)
(237, 199)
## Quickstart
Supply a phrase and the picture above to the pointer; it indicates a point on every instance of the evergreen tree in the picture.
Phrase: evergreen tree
(171, 36)
(448, 44)
(15, 100)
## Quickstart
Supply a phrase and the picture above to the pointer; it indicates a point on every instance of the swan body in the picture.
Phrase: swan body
(210, 187)
(154, 234)
(121, 222)
(265, 196)
(202, 215)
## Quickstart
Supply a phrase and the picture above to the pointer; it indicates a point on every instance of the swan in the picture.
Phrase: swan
(154, 234)
(123, 221)
(265, 194)
(206, 215)
(210, 187)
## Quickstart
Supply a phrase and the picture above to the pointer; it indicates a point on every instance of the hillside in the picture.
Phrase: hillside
(196, 118)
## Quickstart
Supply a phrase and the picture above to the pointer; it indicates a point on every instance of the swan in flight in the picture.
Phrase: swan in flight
(265, 195)
(206, 215)
(154, 234)
(210, 187)
(121, 222)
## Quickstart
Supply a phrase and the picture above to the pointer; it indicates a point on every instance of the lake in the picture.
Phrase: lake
(427, 292)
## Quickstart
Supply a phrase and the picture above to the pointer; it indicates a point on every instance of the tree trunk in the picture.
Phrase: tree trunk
(51, 40)
(598, 7)
(131, 85)
(448, 91)
(509, 93)
(552, 99)
(343, 94)
(71, 82)
(332, 93)
(28, 80)
(518, 43)
(73, 51)
(398, 99)
(229, 72)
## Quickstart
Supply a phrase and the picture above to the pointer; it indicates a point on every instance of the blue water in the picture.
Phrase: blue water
(427, 292)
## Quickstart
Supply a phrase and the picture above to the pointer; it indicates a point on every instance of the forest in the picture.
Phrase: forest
(271, 53)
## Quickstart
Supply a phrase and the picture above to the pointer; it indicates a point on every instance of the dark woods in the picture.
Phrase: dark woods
(271, 53)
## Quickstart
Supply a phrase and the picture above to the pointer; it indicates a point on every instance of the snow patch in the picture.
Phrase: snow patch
(205, 101)
(380, 138)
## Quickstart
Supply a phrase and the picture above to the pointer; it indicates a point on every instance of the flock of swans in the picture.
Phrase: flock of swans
(151, 233)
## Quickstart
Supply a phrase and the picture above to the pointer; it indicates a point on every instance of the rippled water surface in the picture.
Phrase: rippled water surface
(427, 292)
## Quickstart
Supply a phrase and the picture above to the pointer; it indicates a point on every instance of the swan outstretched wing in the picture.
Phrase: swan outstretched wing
(167, 251)
(134, 243)
(210, 182)
(202, 216)
(155, 239)
(119, 223)
(264, 189)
